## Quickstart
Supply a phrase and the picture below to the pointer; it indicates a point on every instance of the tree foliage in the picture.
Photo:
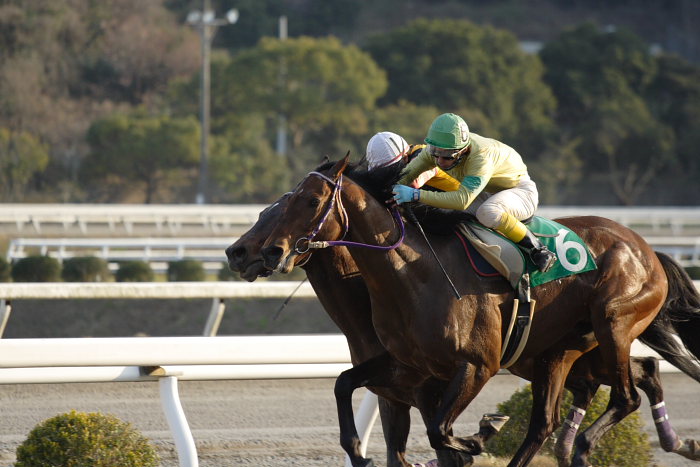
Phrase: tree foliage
(601, 81)
(596, 116)
(323, 88)
(151, 151)
(455, 65)
(22, 156)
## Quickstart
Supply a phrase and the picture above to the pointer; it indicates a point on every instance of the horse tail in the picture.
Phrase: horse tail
(675, 332)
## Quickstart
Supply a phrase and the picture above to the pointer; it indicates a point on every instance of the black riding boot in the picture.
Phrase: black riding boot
(540, 255)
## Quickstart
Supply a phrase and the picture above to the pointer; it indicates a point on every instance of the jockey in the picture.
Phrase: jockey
(495, 185)
(387, 148)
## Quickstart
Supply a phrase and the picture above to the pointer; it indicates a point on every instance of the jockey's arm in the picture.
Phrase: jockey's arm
(459, 199)
(437, 178)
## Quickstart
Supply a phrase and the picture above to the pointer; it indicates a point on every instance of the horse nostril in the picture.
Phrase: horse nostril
(272, 255)
(236, 254)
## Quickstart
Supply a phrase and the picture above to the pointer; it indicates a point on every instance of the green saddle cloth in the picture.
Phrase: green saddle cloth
(573, 256)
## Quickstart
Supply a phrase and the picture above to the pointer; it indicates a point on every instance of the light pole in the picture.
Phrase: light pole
(206, 23)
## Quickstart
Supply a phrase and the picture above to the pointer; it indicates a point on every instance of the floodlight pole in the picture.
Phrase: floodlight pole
(206, 24)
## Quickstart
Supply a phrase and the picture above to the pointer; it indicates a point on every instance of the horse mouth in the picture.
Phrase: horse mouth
(254, 270)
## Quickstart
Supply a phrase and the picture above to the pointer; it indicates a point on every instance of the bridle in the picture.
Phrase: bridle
(335, 199)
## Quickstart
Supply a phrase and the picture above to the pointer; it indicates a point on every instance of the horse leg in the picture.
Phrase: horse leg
(396, 424)
(624, 400)
(547, 388)
(583, 391)
(645, 372)
(460, 391)
(376, 371)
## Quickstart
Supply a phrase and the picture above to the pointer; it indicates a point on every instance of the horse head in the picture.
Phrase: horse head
(310, 212)
(244, 255)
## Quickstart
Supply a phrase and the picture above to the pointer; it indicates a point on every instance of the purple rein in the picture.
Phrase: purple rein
(335, 198)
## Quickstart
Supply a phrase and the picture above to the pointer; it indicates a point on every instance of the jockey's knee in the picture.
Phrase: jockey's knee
(490, 215)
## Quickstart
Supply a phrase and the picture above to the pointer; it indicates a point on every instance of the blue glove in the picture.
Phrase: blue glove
(405, 194)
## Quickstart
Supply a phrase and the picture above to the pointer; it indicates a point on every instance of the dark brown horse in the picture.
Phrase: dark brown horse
(336, 278)
(459, 341)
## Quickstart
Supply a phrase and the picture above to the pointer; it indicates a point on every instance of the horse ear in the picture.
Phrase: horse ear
(340, 166)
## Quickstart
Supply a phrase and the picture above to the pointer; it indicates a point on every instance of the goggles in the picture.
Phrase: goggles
(445, 154)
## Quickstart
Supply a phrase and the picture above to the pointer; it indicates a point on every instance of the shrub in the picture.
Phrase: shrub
(186, 270)
(5, 270)
(79, 439)
(36, 269)
(85, 269)
(134, 271)
(626, 445)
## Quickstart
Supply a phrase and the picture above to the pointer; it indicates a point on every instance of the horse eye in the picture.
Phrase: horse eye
(314, 202)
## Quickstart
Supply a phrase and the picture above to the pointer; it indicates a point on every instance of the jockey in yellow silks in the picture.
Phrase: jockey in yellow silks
(494, 183)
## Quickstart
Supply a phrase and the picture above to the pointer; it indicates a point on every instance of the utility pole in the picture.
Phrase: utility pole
(281, 117)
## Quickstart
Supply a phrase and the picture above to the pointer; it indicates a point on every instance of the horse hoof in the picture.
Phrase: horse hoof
(689, 449)
(494, 421)
(432, 463)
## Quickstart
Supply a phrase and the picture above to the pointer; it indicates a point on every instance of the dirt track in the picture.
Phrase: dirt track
(272, 423)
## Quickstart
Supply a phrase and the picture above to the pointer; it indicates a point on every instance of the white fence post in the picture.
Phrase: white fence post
(184, 442)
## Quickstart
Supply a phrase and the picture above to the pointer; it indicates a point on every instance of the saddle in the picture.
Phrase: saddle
(505, 257)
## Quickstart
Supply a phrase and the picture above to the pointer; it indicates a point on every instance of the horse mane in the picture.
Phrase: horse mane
(379, 182)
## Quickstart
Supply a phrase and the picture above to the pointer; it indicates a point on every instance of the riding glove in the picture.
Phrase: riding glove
(405, 194)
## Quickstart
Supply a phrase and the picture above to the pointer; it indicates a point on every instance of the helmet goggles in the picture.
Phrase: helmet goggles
(445, 154)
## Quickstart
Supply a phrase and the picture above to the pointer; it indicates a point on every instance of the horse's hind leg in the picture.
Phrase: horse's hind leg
(645, 372)
(396, 424)
(624, 400)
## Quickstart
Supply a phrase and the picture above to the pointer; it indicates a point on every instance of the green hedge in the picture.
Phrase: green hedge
(186, 270)
(134, 271)
(626, 445)
(36, 269)
(86, 269)
(5, 270)
(79, 439)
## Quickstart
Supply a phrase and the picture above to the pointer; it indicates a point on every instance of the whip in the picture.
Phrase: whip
(412, 217)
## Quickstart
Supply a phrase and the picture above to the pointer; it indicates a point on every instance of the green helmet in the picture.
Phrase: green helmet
(448, 131)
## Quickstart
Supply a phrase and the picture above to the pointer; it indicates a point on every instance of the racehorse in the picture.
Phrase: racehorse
(459, 340)
(335, 277)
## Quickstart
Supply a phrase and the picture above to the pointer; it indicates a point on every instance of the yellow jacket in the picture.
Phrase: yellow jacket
(489, 165)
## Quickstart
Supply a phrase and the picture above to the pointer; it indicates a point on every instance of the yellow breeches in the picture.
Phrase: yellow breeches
(511, 228)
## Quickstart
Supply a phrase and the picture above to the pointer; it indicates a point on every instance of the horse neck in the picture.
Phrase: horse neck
(342, 292)
(371, 223)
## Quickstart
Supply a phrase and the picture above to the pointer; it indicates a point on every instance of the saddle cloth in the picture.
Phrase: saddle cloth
(573, 256)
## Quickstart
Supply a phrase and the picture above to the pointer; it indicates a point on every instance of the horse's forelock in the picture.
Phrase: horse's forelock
(377, 182)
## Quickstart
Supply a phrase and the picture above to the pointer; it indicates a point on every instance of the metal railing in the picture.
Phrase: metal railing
(165, 219)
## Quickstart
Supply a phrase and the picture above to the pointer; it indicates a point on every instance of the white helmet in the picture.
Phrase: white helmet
(384, 149)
